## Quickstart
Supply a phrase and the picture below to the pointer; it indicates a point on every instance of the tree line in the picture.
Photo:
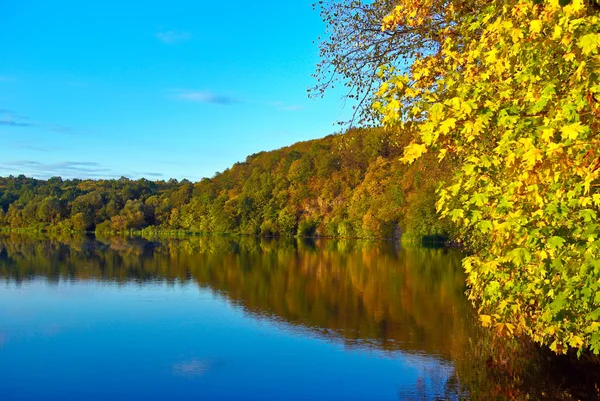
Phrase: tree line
(344, 185)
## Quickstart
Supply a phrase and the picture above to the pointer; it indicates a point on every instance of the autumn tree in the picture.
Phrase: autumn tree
(354, 46)
(513, 94)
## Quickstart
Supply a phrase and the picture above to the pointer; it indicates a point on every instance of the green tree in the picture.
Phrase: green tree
(49, 210)
(132, 217)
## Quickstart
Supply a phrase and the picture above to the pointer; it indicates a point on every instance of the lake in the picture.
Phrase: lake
(244, 318)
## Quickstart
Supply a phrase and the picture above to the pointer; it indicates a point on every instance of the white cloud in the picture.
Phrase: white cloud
(207, 97)
(286, 107)
(63, 169)
(173, 37)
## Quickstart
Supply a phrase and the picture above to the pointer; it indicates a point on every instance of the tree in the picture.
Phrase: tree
(49, 210)
(513, 94)
(132, 217)
(355, 46)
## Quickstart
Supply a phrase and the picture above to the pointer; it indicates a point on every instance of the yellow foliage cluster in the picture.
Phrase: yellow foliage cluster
(513, 94)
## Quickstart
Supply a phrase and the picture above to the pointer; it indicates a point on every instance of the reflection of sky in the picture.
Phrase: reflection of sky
(191, 368)
(103, 341)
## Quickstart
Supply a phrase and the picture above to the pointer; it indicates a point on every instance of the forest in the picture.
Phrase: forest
(344, 185)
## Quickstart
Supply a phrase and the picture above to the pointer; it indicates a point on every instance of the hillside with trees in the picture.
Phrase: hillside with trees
(344, 185)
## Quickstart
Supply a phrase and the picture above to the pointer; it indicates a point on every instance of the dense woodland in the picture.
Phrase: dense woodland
(345, 185)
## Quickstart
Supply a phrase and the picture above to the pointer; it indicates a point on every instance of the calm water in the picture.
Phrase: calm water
(218, 318)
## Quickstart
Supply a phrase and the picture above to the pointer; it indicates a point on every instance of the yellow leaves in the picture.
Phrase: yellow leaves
(535, 26)
(415, 110)
(436, 112)
(411, 14)
(383, 89)
(467, 107)
(393, 106)
(410, 93)
(572, 131)
(505, 328)
(393, 18)
(548, 134)
(413, 152)
(589, 43)
(516, 35)
(554, 149)
(491, 56)
(587, 183)
(447, 125)
(486, 320)
(576, 342)
(471, 130)
(532, 156)
(566, 40)
(580, 70)
(420, 72)
(442, 154)
(515, 80)
(552, 330)
(557, 33)
(558, 348)
(462, 108)
(586, 201)
(574, 7)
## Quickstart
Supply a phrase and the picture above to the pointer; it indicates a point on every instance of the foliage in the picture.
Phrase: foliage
(513, 96)
(354, 47)
(350, 185)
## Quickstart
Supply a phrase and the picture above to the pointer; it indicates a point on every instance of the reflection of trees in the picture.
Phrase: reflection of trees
(367, 293)
(363, 293)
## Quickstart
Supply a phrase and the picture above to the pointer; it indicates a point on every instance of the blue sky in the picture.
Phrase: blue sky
(161, 89)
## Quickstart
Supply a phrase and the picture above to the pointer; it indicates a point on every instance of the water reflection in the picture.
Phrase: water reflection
(368, 294)
(371, 296)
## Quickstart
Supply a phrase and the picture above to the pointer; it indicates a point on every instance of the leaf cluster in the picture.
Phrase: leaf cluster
(513, 95)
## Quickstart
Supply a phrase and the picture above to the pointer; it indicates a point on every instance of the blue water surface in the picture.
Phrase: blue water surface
(93, 340)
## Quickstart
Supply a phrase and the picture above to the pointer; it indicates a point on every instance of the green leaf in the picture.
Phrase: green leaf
(556, 242)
